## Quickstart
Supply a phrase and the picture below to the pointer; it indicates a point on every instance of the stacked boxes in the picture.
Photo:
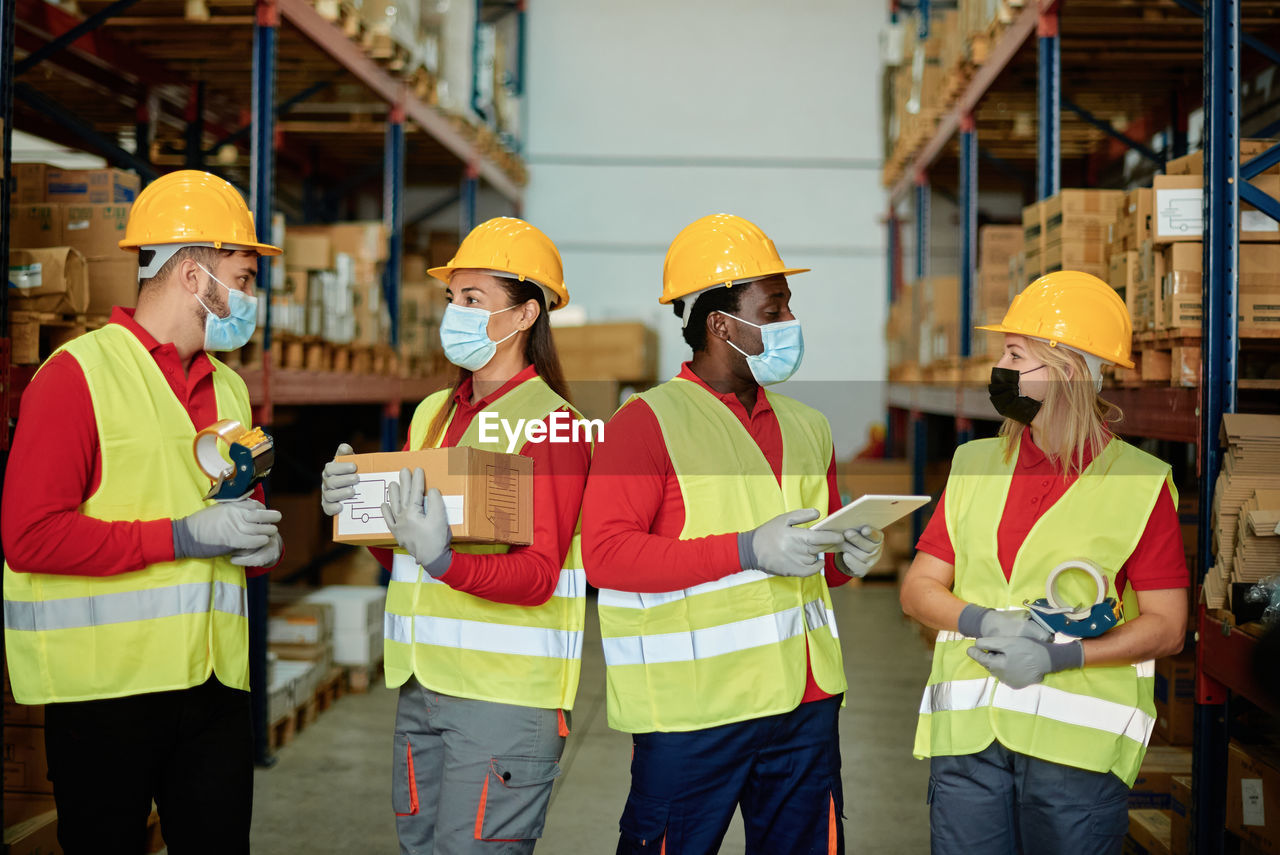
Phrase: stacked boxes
(1033, 242)
(998, 246)
(334, 284)
(357, 621)
(43, 182)
(1076, 226)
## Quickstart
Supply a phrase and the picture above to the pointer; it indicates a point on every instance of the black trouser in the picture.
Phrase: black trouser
(191, 751)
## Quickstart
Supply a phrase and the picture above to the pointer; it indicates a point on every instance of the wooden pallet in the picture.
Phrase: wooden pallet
(329, 689)
(361, 677)
(280, 733)
(34, 336)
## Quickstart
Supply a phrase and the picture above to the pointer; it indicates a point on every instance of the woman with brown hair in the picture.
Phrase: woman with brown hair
(485, 642)
(1035, 737)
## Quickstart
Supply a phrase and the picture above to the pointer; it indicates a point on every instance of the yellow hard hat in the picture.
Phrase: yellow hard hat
(720, 249)
(192, 208)
(1074, 309)
(511, 246)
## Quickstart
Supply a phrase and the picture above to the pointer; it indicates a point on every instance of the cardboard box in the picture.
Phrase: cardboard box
(862, 477)
(1253, 796)
(1182, 269)
(1136, 211)
(49, 280)
(1032, 265)
(1085, 255)
(1175, 697)
(23, 806)
(1260, 309)
(1149, 832)
(113, 281)
(1180, 815)
(91, 186)
(1193, 164)
(96, 230)
(365, 241)
(1080, 213)
(300, 623)
(996, 244)
(1123, 272)
(1155, 778)
(1260, 258)
(488, 495)
(35, 226)
(25, 768)
(626, 351)
(596, 399)
(1178, 214)
(441, 248)
(306, 249)
(35, 836)
(30, 182)
(1033, 228)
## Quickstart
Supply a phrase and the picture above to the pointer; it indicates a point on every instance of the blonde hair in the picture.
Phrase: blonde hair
(1076, 419)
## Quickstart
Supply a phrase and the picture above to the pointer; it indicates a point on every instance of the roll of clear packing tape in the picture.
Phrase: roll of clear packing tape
(1051, 586)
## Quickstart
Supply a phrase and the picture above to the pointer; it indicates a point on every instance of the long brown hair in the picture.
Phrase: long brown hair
(539, 350)
(1077, 420)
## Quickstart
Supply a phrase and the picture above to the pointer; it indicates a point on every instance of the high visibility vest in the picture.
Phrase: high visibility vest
(733, 649)
(463, 645)
(1096, 718)
(169, 625)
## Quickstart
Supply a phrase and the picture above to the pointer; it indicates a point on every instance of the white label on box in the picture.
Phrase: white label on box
(1179, 212)
(1256, 221)
(77, 225)
(1251, 790)
(25, 276)
(363, 513)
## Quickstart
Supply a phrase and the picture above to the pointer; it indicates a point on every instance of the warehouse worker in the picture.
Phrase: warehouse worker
(719, 637)
(124, 591)
(1036, 739)
(485, 642)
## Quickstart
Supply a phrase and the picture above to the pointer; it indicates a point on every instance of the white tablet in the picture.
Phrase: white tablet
(875, 511)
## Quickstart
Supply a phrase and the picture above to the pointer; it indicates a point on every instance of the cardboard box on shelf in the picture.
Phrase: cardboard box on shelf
(1136, 216)
(1155, 777)
(1175, 697)
(37, 835)
(1086, 256)
(96, 230)
(91, 186)
(1253, 795)
(366, 241)
(299, 623)
(1193, 164)
(596, 399)
(25, 767)
(1260, 258)
(1260, 309)
(1123, 273)
(35, 225)
(113, 281)
(441, 248)
(1180, 815)
(626, 351)
(1178, 216)
(1033, 228)
(1149, 832)
(49, 280)
(996, 244)
(488, 495)
(873, 476)
(307, 249)
(1080, 214)
(30, 182)
(1032, 265)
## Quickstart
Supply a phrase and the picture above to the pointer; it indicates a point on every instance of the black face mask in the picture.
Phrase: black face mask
(1005, 396)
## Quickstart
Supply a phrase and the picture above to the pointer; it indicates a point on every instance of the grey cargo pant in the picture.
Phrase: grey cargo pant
(1000, 802)
(471, 776)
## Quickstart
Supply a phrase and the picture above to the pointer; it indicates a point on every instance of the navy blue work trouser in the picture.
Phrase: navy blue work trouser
(784, 771)
(1000, 802)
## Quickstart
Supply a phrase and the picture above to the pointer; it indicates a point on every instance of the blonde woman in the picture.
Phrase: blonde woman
(1035, 738)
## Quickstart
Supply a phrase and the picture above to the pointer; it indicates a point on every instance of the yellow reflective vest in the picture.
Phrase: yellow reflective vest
(1096, 718)
(733, 649)
(463, 645)
(167, 626)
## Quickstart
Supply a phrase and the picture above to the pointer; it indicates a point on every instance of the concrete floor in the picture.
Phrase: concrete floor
(330, 791)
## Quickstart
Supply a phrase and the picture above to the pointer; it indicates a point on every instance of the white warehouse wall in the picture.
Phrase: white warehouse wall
(643, 117)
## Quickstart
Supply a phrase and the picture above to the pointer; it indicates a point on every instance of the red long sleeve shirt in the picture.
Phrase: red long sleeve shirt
(1157, 561)
(633, 510)
(525, 575)
(55, 465)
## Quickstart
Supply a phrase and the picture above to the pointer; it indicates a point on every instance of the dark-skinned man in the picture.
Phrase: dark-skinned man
(124, 590)
(720, 641)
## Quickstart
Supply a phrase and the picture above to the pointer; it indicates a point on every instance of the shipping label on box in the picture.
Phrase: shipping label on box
(1253, 796)
(49, 280)
(1179, 214)
(96, 230)
(488, 496)
(1260, 309)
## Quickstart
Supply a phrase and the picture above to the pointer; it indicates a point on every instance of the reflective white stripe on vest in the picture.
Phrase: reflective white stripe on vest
(571, 583)
(633, 600)
(484, 637)
(717, 640)
(1039, 700)
(125, 606)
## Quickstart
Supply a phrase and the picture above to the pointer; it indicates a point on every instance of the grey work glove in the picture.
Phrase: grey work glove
(265, 556)
(979, 622)
(779, 548)
(860, 551)
(224, 528)
(1018, 662)
(338, 482)
(423, 533)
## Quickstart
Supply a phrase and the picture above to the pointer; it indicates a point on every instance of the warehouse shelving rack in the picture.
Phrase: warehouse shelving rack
(181, 72)
(1190, 415)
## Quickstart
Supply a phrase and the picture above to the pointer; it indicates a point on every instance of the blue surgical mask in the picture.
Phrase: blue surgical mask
(783, 350)
(237, 327)
(464, 335)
